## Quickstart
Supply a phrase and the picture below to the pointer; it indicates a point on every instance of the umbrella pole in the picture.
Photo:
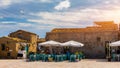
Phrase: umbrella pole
(51, 51)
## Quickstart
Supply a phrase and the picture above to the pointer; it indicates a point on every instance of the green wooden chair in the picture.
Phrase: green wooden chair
(37, 57)
(45, 58)
(64, 57)
(61, 58)
(72, 58)
(32, 58)
(79, 56)
(113, 57)
(58, 58)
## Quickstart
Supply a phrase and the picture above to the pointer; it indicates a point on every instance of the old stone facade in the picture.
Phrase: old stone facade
(31, 38)
(94, 38)
(9, 47)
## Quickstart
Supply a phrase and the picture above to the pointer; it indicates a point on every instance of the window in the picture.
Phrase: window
(20, 36)
(8, 54)
(98, 39)
(7, 49)
(22, 48)
(3, 47)
(8, 42)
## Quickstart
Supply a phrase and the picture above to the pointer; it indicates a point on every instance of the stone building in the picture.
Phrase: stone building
(40, 40)
(94, 38)
(9, 47)
(30, 37)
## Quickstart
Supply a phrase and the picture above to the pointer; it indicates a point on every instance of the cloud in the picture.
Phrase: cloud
(60, 16)
(6, 3)
(78, 18)
(63, 5)
(81, 14)
(55, 24)
(1, 17)
(24, 24)
(46, 1)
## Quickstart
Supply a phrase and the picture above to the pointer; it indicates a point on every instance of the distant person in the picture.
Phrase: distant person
(20, 54)
(113, 51)
(68, 55)
(118, 51)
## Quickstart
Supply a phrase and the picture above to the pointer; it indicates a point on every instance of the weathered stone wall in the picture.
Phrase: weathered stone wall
(29, 37)
(8, 44)
(94, 41)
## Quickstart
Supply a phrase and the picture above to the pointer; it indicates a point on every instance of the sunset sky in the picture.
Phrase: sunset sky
(41, 16)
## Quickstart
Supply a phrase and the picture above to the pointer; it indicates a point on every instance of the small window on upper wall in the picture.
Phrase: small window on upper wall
(98, 39)
(3, 47)
(20, 36)
(8, 42)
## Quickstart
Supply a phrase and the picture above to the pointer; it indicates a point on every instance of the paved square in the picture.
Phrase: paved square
(85, 63)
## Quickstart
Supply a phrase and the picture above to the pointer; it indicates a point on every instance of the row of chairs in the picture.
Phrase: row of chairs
(52, 57)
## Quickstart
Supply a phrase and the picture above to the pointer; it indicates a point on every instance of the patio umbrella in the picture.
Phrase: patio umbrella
(113, 44)
(50, 43)
(73, 43)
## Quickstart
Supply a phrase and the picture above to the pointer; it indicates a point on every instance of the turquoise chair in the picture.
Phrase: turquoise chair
(32, 58)
(64, 57)
(113, 57)
(53, 56)
(72, 58)
(40, 56)
(45, 58)
(61, 58)
(68, 56)
(83, 56)
(79, 56)
(37, 57)
(57, 58)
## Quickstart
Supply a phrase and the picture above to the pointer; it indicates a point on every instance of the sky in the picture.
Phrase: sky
(41, 16)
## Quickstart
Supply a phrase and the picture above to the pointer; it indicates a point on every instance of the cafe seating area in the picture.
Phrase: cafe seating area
(55, 57)
(52, 51)
(114, 51)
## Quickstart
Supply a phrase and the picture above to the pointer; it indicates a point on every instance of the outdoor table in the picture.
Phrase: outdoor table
(72, 58)
(49, 55)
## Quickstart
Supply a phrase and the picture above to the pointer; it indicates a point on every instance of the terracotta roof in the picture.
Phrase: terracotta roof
(25, 31)
(15, 39)
(41, 40)
(104, 22)
(99, 26)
